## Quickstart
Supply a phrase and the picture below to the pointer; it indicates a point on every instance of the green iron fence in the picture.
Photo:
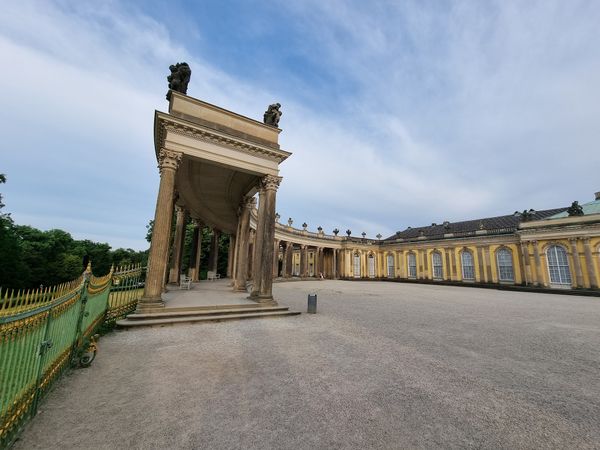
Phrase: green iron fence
(44, 332)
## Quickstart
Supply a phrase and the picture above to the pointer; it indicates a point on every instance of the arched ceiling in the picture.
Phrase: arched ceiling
(212, 193)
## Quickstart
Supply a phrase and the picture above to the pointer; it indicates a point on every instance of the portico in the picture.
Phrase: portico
(212, 163)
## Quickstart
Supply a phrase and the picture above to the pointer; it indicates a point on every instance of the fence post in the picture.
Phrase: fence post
(84, 297)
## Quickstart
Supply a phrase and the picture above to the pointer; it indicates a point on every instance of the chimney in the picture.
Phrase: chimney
(597, 194)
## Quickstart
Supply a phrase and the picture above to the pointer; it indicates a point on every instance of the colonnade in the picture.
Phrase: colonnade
(160, 272)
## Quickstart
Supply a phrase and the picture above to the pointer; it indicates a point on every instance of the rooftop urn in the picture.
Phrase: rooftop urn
(304, 225)
(348, 232)
(320, 229)
(363, 234)
(277, 217)
(336, 231)
(290, 222)
(379, 236)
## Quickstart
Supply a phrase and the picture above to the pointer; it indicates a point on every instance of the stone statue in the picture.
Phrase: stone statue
(179, 78)
(575, 209)
(272, 115)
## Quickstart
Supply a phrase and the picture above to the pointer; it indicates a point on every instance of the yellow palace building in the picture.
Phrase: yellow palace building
(557, 248)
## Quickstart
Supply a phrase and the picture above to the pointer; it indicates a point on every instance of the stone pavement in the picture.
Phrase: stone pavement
(382, 365)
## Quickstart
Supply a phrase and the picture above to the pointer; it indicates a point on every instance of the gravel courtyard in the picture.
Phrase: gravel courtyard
(382, 365)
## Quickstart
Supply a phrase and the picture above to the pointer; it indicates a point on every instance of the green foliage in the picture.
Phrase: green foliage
(31, 257)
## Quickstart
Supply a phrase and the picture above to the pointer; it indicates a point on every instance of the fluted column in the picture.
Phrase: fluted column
(589, 262)
(257, 261)
(576, 263)
(334, 264)
(243, 241)
(270, 184)
(303, 261)
(230, 256)
(286, 268)
(192, 270)
(275, 258)
(214, 251)
(177, 254)
(161, 231)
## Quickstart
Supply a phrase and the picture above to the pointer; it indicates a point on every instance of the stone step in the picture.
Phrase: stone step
(202, 318)
(214, 311)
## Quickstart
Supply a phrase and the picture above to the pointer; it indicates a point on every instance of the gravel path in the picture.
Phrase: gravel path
(382, 365)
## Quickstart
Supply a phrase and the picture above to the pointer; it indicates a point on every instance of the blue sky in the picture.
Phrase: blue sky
(398, 113)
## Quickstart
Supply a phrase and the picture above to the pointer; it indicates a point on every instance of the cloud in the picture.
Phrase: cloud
(411, 113)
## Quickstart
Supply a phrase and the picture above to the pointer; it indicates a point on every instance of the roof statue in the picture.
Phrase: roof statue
(179, 78)
(575, 209)
(272, 115)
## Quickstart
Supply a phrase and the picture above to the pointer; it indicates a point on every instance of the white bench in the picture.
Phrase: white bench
(212, 275)
(185, 282)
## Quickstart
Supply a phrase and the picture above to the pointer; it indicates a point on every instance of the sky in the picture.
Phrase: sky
(398, 113)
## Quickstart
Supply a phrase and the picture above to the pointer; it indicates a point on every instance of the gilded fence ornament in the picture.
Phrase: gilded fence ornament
(179, 78)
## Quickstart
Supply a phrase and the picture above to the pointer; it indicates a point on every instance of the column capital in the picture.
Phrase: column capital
(168, 159)
(573, 240)
(270, 182)
(197, 223)
(179, 209)
(248, 202)
(586, 240)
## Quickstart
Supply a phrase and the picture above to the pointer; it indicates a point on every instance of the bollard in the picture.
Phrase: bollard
(312, 304)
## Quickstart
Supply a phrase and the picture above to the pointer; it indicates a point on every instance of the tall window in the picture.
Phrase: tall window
(558, 265)
(412, 265)
(505, 265)
(371, 260)
(436, 263)
(390, 266)
(468, 268)
(356, 265)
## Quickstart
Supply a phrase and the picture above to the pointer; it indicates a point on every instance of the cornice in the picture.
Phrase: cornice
(165, 123)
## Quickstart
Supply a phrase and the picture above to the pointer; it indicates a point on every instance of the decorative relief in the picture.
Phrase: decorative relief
(212, 138)
(168, 159)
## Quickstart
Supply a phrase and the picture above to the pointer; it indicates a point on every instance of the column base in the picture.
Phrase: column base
(146, 305)
(265, 300)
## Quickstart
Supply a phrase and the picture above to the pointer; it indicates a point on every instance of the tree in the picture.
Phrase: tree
(12, 268)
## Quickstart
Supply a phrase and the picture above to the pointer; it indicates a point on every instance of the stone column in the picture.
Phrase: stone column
(230, 256)
(538, 275)
(270, 184)
(236, 252)
(589, 262)
(161, 232)
(257, 261)
(303, 261)
(213, 259)
(243, 242)
(334, 264)
(275, 258)
(576, 263)
(193, 270)
(178, 241)
(285, 263)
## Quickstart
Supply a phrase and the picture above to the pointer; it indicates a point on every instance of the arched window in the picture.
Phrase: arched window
(436, 263)
(558, 265)
(468, 269)
(504, 259)
(357, 265)
(412, 265)
(371, 265)
(390, 266)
